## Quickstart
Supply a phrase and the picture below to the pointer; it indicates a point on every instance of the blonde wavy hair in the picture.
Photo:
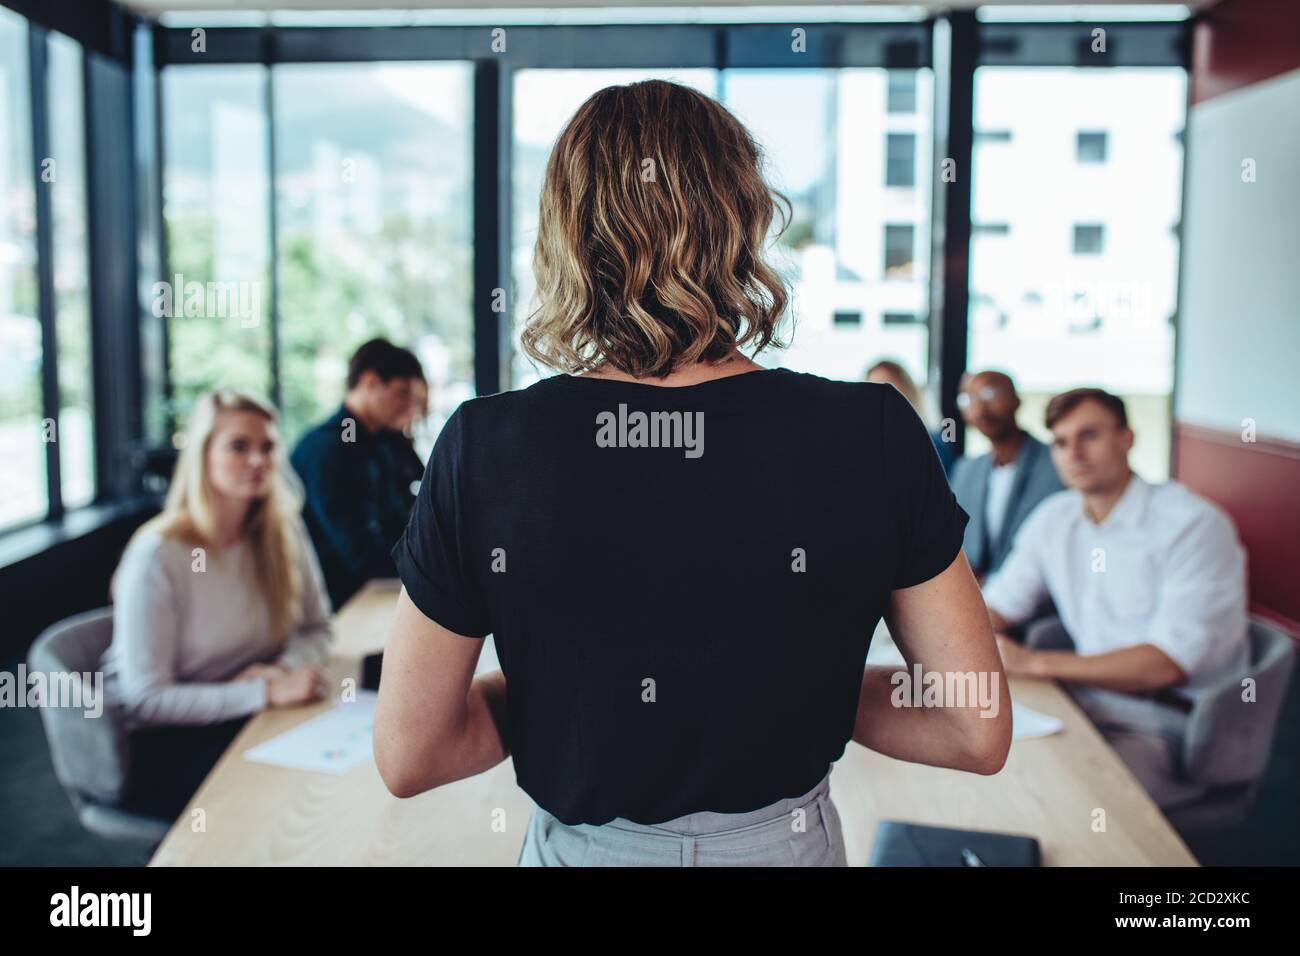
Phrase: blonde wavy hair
(653, 220)
(270, 526)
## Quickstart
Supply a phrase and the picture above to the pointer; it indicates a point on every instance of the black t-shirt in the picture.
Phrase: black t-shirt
(681, 604)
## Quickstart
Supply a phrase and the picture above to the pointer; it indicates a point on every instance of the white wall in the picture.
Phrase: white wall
(1239, 332)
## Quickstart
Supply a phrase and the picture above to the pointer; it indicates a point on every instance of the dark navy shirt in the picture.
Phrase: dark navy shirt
(355, 506)
(682, 615)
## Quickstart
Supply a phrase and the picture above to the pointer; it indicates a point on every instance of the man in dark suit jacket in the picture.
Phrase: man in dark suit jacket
(1000, 489)
(357, 502)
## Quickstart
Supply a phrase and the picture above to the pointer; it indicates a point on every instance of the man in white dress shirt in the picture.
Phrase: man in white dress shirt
(1150, 584)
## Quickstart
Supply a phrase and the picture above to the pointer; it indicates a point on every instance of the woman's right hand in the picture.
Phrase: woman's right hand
(300, 686)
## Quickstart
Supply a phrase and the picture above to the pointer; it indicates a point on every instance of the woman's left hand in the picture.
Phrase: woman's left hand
(1017, 660)
(254, 671)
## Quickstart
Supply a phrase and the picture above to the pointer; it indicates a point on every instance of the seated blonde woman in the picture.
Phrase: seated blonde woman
(219, 609)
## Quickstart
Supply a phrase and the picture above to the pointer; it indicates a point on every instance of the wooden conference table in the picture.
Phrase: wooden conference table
(259, 814)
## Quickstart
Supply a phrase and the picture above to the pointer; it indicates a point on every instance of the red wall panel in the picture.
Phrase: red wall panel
(1258, 484)
(1240, 42)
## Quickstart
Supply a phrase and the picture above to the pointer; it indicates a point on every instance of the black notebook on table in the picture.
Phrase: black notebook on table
(912, 844)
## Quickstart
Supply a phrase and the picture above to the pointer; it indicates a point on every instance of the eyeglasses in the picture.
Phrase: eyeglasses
(988, 393)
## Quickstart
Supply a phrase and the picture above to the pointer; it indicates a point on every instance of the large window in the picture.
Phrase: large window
(32, 432)
(1077, 285)
(373, 207)
(76, 432)
(23, 494)
(309, 206)
(216, 298)
(372, 223)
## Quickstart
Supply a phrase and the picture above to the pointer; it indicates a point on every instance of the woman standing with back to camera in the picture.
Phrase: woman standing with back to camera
(680, 554)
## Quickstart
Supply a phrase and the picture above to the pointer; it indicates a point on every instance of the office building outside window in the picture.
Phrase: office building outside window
(826, 133)
(1084, 169)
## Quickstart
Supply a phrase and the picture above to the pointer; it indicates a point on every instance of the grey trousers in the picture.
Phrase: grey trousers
(798, 831)
(1147, 735)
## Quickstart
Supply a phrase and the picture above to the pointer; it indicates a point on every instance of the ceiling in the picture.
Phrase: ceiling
(656, 9)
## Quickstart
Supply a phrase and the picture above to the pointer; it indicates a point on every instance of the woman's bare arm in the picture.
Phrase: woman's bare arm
(435, 722)
(942, 625)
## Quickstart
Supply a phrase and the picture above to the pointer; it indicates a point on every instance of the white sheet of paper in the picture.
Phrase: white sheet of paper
(334, 742)
(1026, 723)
